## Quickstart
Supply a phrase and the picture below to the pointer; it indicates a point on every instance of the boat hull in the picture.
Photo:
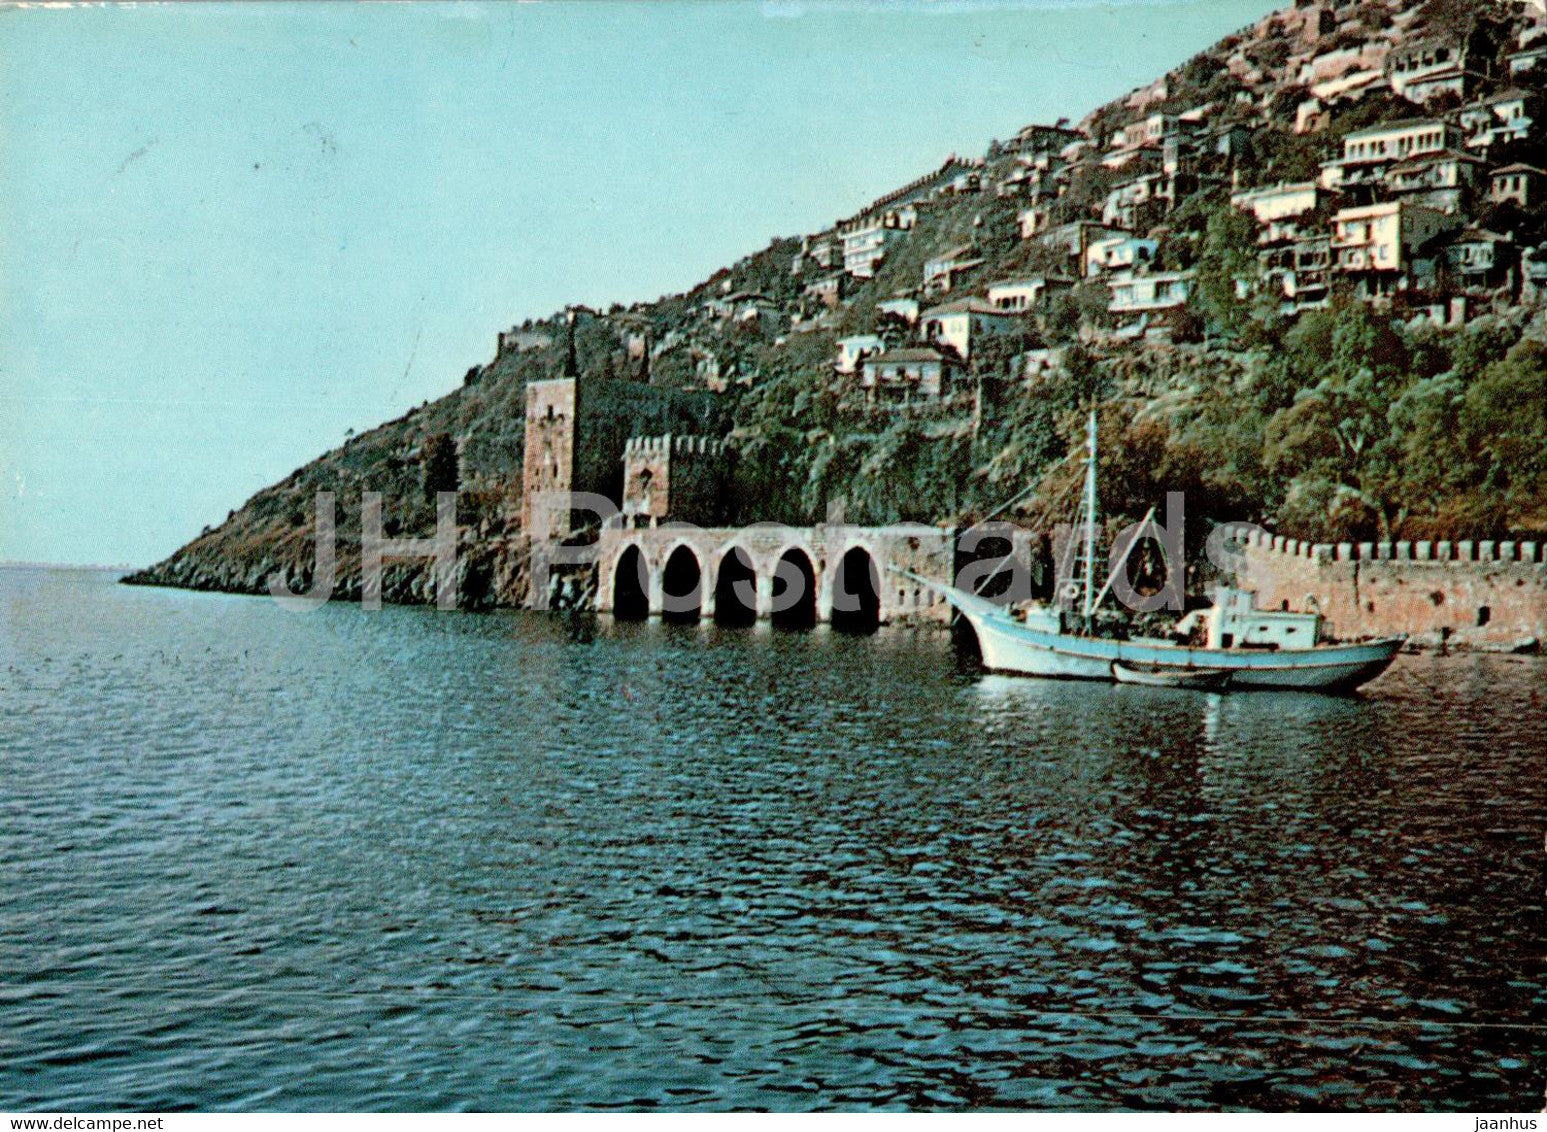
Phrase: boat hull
(1008, 646)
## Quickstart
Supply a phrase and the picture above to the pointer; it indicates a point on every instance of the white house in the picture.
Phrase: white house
(1519, 182)
(1140, 201)
(1424, 68)
(956, 324)
(1286, 212)
(1380, 239)
(1114, 253)
(1018, 295)
(864, 246)
(853, 350)
(1135, 293)
(1497, 120)
(1528, 58)
(941, 271)
(1369, 151)
(905, 307)
(1280, 201)
(1399, 139)
(909, 373)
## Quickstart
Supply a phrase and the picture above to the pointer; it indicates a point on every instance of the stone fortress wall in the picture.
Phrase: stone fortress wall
(685, 478)
(1473, 593)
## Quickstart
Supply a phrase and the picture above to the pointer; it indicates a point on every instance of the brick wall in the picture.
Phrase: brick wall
(680, 478)
(576, 432)
(1466, 592)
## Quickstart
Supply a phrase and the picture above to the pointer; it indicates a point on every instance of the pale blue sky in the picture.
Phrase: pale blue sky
(230, 232)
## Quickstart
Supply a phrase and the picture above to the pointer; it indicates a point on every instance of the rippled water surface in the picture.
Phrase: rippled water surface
(251, 859)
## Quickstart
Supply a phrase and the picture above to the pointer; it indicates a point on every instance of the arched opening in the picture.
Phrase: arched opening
(966, 649)
(630, 586)
(794, 590)
(682, 586)
(735, 589)
(856, 592)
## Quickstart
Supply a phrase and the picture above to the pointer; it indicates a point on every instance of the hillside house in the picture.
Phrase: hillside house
(1422, 69)
(1136, 293)
(1032, 220)
(941, 271)
(1442, 180)
(1116, 253)
(1140, 202)
(1528, 58)
(1520, 183)
(1368, 153)
(1396, 140)
(821, 251)
(1286, 211)
(1074, 239)
(854, 349)
(1478, 259)
(864, 245)
(1533, 274)
(1374, 246)
(1230, 140)
(1307, 283)
(742, 306)
(1034, 140)
(903, 306)
(1498, 120)
(1281, 201)
(1016, 296)
(915, 373)
(957, 324)
(827, 291)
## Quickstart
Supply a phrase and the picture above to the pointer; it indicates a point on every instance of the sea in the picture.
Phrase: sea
(254, 859)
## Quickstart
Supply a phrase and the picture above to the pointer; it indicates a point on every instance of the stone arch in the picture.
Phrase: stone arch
(794, 587)
(735, 587)
(854, 589)
(681, 584)
(630, 585)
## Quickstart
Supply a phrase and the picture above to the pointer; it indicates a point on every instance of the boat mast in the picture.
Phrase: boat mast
(1090, 511)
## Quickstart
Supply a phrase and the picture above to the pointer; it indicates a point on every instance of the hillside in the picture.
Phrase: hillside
(1302, 275)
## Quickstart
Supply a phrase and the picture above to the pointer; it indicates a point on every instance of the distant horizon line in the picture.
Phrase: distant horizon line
(10, 564)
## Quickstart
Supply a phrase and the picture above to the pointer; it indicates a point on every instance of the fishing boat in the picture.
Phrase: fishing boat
(1243, 647)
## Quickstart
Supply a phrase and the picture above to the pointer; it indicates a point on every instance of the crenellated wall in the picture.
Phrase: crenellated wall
(677, 478)
(1477, 593)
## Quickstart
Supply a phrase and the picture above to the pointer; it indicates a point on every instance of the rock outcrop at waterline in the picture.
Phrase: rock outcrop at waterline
(490, 573)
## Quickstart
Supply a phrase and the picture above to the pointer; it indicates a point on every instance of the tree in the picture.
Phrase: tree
(1336, 431)
(1227, 269)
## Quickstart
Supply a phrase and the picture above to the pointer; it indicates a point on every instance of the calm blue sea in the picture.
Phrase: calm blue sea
(253, 860)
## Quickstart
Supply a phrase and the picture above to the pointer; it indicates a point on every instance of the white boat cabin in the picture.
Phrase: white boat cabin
(1234, 623)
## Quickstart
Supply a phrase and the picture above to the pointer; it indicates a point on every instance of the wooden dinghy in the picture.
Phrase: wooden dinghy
(1168, 676)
